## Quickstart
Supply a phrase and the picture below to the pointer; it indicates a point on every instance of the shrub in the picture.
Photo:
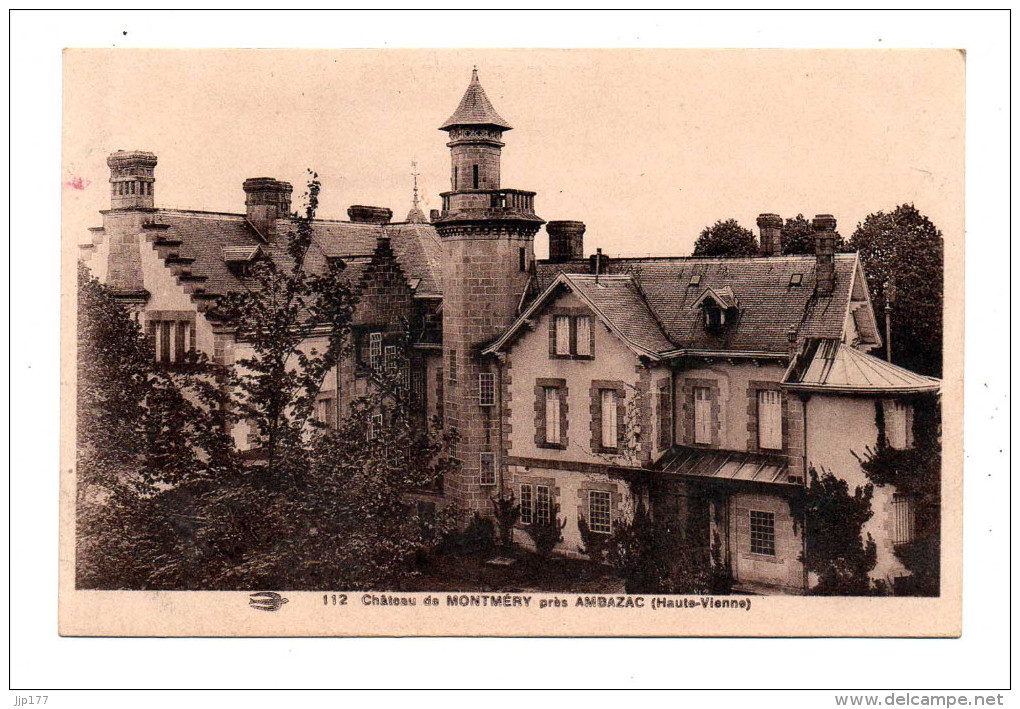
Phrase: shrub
(546, 535)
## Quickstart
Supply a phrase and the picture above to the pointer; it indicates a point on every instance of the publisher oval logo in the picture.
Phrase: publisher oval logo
(266, 601)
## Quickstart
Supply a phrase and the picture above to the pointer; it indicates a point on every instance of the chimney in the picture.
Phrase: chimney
(363, 214)
(433, 215)
(266, 200)
(599, 263)
(769, 242)
(131, 180)
(824, 226)
(566, 241)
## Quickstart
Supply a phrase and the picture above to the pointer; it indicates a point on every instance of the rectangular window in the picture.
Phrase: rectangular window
(487, 469)
(454, 177)
(375, 424)
(171, 339)
(543, 505)
(770, 419)
(665, 418)
(897, 424)
(600, 518)
(324, 411)
(552, 414)
(375, 350)
(486, 389)
(702, 415)
(609, 418)
(391, 358)
(763, 533)
(583, 337)
(453, 365)
(903, 517)
(562, 325)
(474, 170)
(527, 504)
(522, 259)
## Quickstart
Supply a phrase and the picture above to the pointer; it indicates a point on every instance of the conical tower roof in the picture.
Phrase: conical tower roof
(475, 109)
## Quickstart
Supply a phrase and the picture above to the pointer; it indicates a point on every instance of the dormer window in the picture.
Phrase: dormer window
(715, 316)
(719, 306)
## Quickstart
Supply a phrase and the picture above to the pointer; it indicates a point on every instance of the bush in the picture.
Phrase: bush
(478, 539)
(507, 513)
(546, 535)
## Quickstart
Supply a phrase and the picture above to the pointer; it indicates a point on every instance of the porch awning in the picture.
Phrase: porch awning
(725, 465)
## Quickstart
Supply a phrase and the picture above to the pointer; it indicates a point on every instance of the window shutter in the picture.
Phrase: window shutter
(770, 419)
(179, 342)
(563, 334)
(552, 415)
(609, 422)
(164, 344)
(584, 336)
(896, 424)
(702, 415)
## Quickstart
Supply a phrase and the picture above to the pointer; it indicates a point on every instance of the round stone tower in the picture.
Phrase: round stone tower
(488, 238)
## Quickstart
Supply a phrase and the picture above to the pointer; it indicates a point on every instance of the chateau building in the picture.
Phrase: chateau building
(705, 387)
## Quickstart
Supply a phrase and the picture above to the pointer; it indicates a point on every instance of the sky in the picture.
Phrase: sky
(647, 147)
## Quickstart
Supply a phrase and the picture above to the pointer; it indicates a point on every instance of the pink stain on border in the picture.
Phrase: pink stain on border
(78, 183)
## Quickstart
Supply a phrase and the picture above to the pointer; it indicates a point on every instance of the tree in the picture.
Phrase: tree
(319, 508)
(146, 434)
(284, 305)
(832, 520)
(726, 238)
(797, 236)
(916, 472)
(904, 250)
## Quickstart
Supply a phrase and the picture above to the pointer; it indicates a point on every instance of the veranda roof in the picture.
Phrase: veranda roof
(835, 367)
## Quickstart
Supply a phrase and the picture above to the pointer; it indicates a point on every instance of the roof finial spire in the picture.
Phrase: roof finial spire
(474, 73)
(415, 216)
(414, 174)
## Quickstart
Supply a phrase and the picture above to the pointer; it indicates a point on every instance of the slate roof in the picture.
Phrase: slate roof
(768, 305)
(475, 109)
(623, 304)
(832, 366)
(206, 236)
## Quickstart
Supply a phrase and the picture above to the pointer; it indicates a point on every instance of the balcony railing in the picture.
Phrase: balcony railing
(506, 200)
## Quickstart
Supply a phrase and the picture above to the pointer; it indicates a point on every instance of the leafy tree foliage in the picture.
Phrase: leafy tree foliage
(274, 388)
(726, 238)
(797, 236)
(916, 471)
(652, 556)
(165, 500)
(902, 248)
(145, 434)
(833, 519)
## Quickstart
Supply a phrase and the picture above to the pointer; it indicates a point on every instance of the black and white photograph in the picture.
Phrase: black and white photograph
(475, 388)
(477, 342)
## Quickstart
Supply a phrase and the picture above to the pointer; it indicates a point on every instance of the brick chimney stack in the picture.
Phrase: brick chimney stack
(131, 179)
(824, 226)
(266, 200)
(364, 214)
(769, 241)
(566, 241)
